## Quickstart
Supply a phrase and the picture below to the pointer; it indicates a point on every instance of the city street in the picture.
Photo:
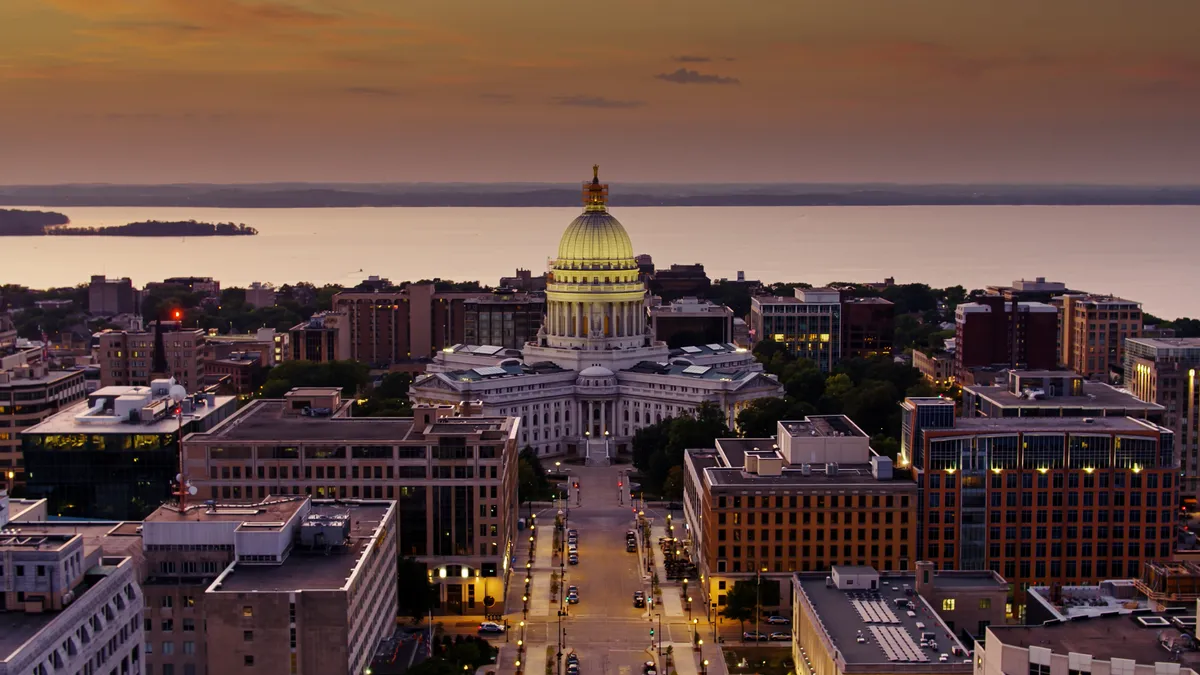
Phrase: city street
(608, 633)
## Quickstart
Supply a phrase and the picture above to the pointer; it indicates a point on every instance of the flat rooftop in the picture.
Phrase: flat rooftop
(848, 474)
(274, 510)
(1168, 343)
(64, 422)
(265, 420)
(31, 541)
(51, 377)
(1071, 424)
(693, 372)
(707, 350)
(1105, 637)
(823, 425)
(843, 621)
(315, 569)
(17, 628)
(1095, 395)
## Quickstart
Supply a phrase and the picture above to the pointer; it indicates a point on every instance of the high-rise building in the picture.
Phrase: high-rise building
(128, 359)
(995, 332)
(1092, 330)
(1054, 393)
(206, 286)
(260, 294)
(690, 321)
(109, 297)
(454, 478)
(273, 347)
(1029, 290)
(679, 281)
(1163, 371)
(868, 327)
(814, 496)
(809, 325)
(324, 337)
(115, 454)
(285, 585)
(28, 395)
(1058, 500)
(595, 375)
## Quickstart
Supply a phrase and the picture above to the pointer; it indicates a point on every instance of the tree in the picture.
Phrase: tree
(350, 376)
(758, 419)
(416, 595)
(741, 602)
(673, 485)
(532, 484)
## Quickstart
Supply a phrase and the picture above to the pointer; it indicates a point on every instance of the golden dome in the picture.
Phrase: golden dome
(595, 238)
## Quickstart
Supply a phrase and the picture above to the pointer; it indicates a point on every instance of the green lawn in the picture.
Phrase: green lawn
(759, 660)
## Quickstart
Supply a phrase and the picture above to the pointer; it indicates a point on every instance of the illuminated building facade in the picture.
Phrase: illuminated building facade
(1067, 500)
(809, 324)
(595, 374)
(1163, 371)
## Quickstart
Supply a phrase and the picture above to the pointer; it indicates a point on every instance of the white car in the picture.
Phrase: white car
(490, 627)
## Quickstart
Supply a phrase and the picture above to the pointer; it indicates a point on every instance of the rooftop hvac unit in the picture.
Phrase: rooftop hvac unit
(831, 469)
(325, 530)
(806, 469)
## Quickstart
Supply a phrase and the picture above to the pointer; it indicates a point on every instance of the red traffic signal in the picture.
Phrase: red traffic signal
(620, 483)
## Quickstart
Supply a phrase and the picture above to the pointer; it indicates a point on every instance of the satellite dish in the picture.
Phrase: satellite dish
(178, 477)
(177, 393)
(192, 490)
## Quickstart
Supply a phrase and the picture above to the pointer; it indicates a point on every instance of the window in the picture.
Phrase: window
(247, 636)
(168, 601)
(189, 647)
(947, 604)
(985, 603)
(189, 625)
(168, 648)
(1038, 669)
(168, 625)
(247, 611)
(248, 660)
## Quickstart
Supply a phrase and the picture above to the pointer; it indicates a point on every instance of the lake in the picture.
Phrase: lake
(1144, 253)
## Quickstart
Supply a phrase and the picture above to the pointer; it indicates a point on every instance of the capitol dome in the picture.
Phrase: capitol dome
(596, 371)
(595, 240)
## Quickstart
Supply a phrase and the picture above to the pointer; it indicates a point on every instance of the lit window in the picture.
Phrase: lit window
(947, 604)
(985, 603)
(247, 611)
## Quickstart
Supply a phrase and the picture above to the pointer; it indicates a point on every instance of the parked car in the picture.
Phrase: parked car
(572, 658)
(751, 636)
(779, 621)
(648, 668)
(639, 599)
(781, 636)
(573, 559)
(490, 627)
(572, 595)
(631, 547)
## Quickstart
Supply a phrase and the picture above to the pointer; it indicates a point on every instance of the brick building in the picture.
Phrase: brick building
(1162, 372)
(1066, 500)
(1092, 330)
(868, 327)
(995, 332)
(814, 496)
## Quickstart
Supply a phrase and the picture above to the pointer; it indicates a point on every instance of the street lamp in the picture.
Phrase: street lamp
(704, 667)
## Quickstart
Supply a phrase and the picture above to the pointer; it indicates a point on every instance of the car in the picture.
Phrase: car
(648, 668)
(631, 547)
(781, 636)
(779, 621)
(572, 669)
(490, 627)
(572, 658)
(573, 560)
(639, 599)
(751, 636)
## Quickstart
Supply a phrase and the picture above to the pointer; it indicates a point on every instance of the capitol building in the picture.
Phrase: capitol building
(595, 374)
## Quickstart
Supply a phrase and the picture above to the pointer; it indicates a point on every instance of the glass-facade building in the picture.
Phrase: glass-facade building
(808, 325)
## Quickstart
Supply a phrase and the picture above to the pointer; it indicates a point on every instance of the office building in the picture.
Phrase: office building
(1029, 290)
(261, 295)
(503, 318)
(813, 497)
(1040, 500)
(396, 327)
(285, 585)
(595, 374)
(678, 281)
(109, 297)
(129, 359)
(1163, 371)
(206, 286)
(62, 610)
(995, 332)
(690, 321)
(272, 347)
(454, 478)
(239, 373)
(857, 620)
(868, 327)
(324, 337)
(115, 454)
(936, 367)
(809, 325)
(1054, 393)
(28, 395)
(1142, 644)
(1092, 330)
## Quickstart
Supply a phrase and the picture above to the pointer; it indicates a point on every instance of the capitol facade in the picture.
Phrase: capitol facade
(595, 375)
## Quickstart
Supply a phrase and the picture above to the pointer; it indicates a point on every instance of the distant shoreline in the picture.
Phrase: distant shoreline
(18, 223)
(525, 195)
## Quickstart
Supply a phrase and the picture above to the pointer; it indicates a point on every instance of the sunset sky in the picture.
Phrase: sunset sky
(654, 90)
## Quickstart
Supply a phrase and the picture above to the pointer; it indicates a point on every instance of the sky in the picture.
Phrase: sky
(911, 91)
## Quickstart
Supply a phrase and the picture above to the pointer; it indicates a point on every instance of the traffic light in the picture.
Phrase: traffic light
(620, 483)
(652, 631)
